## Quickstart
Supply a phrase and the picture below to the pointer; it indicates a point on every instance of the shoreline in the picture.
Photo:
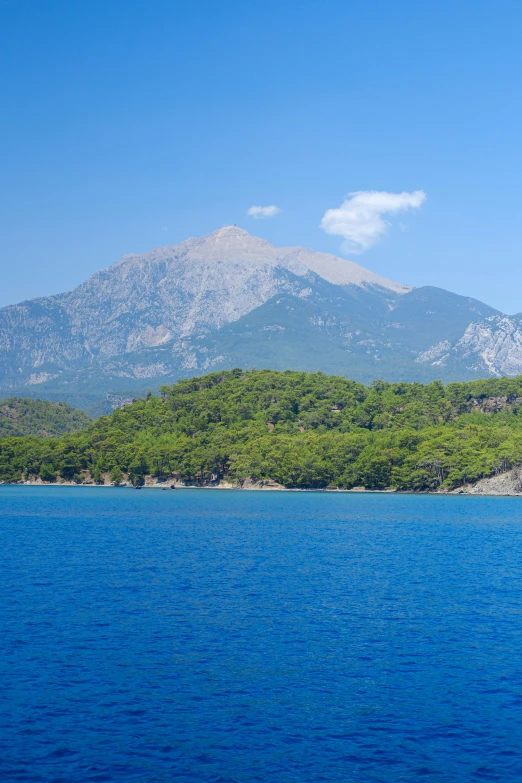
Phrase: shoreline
(220, 487)
(468, 490)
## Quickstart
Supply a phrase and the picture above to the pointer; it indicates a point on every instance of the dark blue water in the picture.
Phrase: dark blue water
(228, 636)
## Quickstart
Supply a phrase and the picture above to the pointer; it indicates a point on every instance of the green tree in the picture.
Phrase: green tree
(47, 472)
(116, 475)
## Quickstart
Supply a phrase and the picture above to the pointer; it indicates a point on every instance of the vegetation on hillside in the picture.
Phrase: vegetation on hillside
(299, 429)
(22, 416)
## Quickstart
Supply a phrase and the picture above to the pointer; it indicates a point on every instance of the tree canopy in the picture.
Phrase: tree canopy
(303, 430)
(24, 416)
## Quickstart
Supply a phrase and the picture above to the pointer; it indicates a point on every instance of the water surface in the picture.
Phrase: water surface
(244, 636)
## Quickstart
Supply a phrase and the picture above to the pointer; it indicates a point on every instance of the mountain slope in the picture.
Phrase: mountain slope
(426, 314)
(349, 331)
(19, 417)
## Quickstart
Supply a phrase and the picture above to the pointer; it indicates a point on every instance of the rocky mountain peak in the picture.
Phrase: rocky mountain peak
(230, 232)
(171, 294)
(233, 250)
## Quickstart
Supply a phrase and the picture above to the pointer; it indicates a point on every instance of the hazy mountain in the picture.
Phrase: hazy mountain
(230, 299)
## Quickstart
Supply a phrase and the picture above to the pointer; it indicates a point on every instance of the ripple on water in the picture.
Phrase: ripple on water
(228, 636)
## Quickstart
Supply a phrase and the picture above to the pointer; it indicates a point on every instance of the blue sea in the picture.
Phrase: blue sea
(230, 637)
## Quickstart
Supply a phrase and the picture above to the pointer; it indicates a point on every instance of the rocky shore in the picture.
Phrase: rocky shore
(150, 482)
(508, 484)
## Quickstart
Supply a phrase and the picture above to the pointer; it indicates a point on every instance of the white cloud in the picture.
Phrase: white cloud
(263, 212)
(359, 218)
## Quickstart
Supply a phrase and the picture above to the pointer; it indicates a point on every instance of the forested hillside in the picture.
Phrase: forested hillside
(299, 429)
(21, 416)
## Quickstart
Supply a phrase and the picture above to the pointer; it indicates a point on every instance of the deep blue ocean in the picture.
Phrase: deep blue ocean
(259, 636)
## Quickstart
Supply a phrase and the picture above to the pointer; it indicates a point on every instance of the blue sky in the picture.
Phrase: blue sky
(129, 125)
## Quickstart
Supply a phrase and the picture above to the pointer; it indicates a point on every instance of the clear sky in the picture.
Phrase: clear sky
(129, 125)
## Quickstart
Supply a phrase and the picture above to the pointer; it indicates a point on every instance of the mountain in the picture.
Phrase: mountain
(43, 419)
(231, 299)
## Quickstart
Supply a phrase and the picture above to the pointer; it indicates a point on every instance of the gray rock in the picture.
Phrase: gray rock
(490, 346)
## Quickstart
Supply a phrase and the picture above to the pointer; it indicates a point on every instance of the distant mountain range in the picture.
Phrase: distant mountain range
(230, 299)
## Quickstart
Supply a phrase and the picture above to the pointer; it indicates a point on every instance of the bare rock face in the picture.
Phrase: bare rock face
(497, 341)
(491, 345)
(159, 298)
(508, 483)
